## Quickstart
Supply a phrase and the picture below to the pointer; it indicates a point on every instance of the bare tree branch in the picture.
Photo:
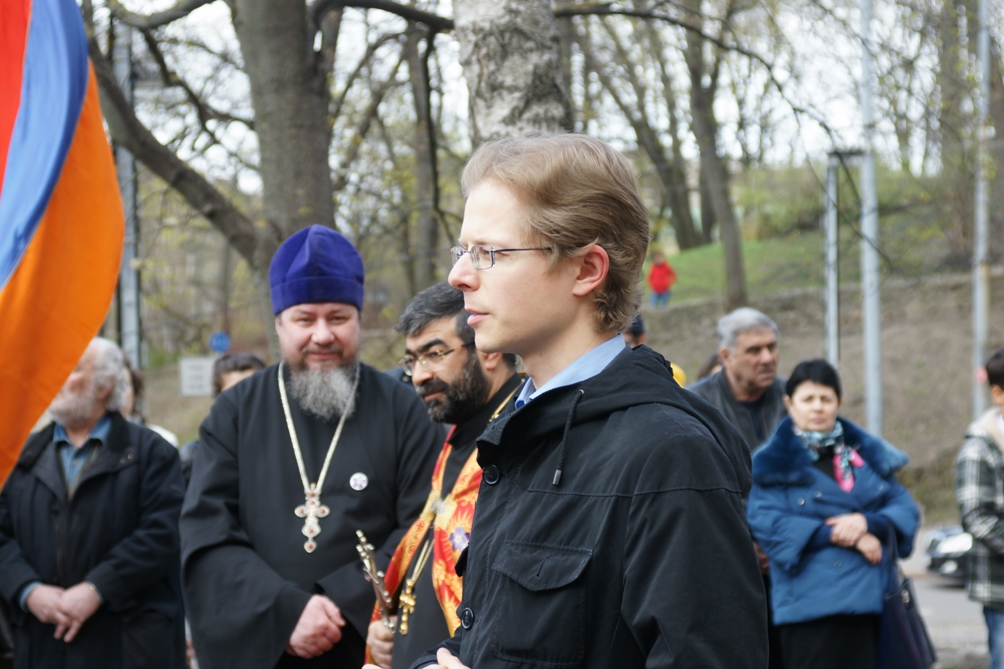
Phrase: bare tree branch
(356, 142)
(152, 21)
(131, 134)
(434, 21)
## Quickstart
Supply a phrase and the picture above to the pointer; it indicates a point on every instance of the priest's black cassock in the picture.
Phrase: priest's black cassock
(246, 575)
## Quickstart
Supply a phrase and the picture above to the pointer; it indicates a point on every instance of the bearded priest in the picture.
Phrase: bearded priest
(292, 462)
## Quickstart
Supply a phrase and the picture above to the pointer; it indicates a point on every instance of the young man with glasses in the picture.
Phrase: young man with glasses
(610, 529)
(467, 388)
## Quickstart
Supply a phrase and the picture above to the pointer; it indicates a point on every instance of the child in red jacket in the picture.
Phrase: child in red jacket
(661, 278)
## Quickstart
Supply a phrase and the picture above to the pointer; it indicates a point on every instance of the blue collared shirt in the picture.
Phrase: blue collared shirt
(73, 460)
(584, 367)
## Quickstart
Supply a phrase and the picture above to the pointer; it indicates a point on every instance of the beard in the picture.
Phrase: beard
(74, 408)
(462, 399)
(325, 393)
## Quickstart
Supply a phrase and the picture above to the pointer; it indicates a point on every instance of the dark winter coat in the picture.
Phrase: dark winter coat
(119, 531)
(246, 575)
(716, 389)
(639, 556)
(789, 504)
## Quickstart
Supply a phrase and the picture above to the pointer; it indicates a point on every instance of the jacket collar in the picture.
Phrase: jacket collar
(988, 428)
(784, 459)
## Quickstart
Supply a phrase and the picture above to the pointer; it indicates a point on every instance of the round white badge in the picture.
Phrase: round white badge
(359, 481)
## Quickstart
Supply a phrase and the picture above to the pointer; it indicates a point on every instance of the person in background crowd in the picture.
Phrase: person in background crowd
(462, 386)
(747, 389)
(609, 530)
(291, 463)
(978, 480)
(89, 547)
(228, 371)
(825, 507)
(132, 408)
(634, 337)
(750, 394)
(661, 277)
(711, 364)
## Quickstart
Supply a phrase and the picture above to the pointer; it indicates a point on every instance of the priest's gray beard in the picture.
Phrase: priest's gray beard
(325, 393)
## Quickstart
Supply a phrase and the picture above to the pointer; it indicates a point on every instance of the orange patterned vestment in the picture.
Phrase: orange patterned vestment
(451, 534)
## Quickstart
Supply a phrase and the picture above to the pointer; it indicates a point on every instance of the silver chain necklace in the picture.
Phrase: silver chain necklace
(312, 510)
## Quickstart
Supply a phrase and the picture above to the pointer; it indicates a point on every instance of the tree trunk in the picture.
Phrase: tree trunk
(714, 173)
(708, 221)
(427, 239)
(290, 98)
(509, 50)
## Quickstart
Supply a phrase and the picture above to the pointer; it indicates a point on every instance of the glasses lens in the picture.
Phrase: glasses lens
(456, 253)
(406, 365)
(482, 257)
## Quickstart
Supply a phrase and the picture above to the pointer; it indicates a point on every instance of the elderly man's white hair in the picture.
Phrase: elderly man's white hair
(110, 371)
(743, 319)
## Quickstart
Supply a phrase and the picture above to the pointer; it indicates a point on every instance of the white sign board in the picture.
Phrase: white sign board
(196, 376)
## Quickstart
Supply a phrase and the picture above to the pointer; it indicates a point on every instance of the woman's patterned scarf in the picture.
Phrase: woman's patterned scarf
(845, 458)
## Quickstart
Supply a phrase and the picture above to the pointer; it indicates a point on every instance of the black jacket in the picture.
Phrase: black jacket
(716, 389)
(119, 531)
(246, 576)
(638, 555)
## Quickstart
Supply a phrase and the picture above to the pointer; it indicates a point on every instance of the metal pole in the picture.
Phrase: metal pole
(870, 296)
(128, 289)
(981, 264)
(832, 277)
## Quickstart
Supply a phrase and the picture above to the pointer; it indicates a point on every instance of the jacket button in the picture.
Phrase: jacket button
(801, 501)
(467, 618)
(491, 475)
(838, 565)
(817, 494)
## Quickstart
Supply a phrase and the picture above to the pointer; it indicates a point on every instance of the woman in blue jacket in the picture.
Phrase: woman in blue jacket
(824, 506)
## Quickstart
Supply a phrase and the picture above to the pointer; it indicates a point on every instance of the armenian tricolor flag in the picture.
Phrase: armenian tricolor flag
(61, 220)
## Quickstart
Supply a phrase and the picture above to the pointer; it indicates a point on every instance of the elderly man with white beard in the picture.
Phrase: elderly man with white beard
(291, 463)
(89, 543)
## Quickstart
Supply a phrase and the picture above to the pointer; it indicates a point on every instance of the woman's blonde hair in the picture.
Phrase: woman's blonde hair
(575, 191)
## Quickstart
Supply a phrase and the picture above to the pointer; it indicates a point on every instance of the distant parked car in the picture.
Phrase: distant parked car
(948, 550)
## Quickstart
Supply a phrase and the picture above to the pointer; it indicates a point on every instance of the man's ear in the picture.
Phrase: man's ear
(593, 269)
(490, 361)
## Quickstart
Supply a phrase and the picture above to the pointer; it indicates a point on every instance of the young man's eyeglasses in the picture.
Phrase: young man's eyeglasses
(429, 359)
(483, 256)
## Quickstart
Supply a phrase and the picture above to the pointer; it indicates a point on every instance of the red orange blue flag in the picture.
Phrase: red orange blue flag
(61, 219)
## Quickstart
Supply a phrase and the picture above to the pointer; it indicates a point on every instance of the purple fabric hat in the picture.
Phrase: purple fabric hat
(314, 265)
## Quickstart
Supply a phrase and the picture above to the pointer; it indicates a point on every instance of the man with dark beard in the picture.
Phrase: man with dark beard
(468, 388)
(89, 532)
(291, 463)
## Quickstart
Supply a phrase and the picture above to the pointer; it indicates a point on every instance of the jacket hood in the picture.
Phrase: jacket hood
(784, 459)
(635, 377)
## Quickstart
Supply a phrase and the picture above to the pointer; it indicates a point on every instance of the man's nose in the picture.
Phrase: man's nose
(419, 374)
(463, 276)
(321, 333)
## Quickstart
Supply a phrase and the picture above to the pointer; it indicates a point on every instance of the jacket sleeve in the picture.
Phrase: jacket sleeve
(241, 610)
(419, 441)
(785, 537)
(975, 490)
(153, 548)
(15, 571)
(902, 513)
(687, 552)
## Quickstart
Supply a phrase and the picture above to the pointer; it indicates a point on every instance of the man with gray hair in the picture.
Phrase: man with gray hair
(89, 547)
(750, 394)
(747, 389)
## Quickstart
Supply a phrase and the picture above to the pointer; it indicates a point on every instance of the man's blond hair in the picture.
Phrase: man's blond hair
(575, 191)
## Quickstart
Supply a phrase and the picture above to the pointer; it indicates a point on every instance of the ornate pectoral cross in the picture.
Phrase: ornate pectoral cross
(312, 510)
(406, 605)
